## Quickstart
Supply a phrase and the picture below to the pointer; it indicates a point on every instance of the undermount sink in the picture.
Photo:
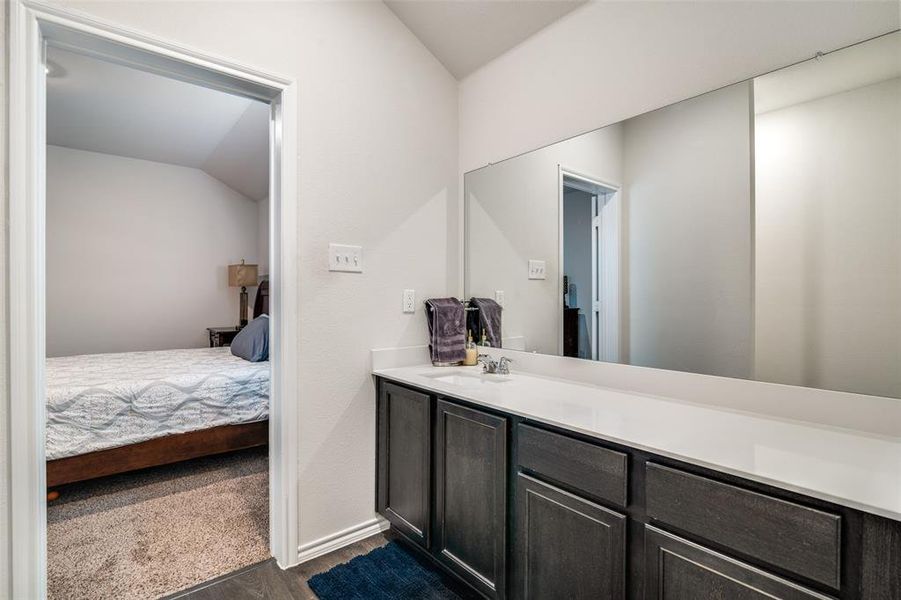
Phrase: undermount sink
(467, 379)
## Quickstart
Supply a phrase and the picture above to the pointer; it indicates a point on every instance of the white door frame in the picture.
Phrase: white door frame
(32, 26)
(609, 217)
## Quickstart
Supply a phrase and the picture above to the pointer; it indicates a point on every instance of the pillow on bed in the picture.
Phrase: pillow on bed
(252, 342)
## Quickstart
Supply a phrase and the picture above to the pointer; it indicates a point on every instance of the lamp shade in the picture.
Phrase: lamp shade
(242, 275)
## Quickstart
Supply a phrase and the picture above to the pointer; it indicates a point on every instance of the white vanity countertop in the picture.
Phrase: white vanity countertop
(855, 469)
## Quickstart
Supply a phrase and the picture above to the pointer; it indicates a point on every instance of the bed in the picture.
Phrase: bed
(114, 413)
(111, 413)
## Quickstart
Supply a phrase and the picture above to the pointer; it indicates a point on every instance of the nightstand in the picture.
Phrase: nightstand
(222, 336)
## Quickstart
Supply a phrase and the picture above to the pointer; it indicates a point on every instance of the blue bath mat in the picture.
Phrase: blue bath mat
(391, 572)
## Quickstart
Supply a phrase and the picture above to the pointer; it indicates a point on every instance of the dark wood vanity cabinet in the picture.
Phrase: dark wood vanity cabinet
(523, 510)
(404, 465)
(442, 482)
(565, 546)
(471, 495)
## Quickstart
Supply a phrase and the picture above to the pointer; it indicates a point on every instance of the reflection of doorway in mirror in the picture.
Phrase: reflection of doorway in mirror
(589, 240)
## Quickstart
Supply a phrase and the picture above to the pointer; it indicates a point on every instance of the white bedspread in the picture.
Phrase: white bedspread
(100, 401)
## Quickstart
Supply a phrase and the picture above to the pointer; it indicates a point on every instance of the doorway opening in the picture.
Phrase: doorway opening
(157, 214)
(35, 33)
(590, 287)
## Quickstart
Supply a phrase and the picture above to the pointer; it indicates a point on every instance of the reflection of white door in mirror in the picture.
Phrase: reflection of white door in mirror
(589, 254)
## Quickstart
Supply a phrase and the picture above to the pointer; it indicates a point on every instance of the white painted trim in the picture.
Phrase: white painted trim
(30, 23)
(343, 538)
(137, 49)
(27, 491)
(284, 393)
(610, 237)
(596, 226)
(560, 252)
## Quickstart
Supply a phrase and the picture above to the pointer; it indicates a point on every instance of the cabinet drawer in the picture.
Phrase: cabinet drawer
(597, 471)
(796, 538)
(676, 568)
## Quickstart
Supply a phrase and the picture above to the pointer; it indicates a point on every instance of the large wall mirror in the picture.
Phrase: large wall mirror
(753, 232)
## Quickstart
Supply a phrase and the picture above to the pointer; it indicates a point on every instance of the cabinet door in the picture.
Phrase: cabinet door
(566, 548)
(404, 460)
(470, 495)
(680, 570)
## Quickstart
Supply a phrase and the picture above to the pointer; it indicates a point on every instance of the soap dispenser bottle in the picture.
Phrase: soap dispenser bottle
(472, 353)
(484, 341)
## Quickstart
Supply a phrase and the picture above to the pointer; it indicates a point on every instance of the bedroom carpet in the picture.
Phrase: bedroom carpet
(152, 533)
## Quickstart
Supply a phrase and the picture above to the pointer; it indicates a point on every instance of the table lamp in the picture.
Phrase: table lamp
(242, 276)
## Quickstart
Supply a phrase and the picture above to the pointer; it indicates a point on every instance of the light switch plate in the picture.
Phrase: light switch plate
(348, 259)
(499, 297)
(409, 301)
(537, 269)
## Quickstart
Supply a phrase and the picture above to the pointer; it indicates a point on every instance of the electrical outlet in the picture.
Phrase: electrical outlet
(342, 257)
(537, 269)
(409, 301)
(499, 297)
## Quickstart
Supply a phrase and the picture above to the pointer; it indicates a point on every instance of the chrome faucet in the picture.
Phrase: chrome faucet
(488, 364)
(501, 367)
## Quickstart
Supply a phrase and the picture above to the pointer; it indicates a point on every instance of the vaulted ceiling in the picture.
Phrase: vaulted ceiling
(105, 107)
(466, 34)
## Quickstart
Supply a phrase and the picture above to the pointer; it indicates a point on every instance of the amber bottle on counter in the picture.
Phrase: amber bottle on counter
(472, 353)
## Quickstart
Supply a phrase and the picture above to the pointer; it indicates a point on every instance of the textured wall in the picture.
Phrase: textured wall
(138, 253)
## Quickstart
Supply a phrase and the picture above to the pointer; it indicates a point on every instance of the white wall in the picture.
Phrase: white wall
(829, 247)
(377, 166)
(609, 61)
(514, 217)
(687, 173)
(138, 253)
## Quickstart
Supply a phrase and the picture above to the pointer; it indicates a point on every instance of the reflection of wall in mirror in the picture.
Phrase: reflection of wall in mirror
(828, 244)
(512, 216)
(686, 239)
(687, 171)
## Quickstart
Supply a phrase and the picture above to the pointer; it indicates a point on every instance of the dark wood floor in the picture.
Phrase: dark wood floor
(265, 581)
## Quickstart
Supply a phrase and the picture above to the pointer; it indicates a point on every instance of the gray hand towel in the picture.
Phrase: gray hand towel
(490, 319)
(447, 327)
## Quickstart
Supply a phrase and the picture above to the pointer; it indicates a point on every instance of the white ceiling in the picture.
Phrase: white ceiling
(105, 107)
(836, 72)
(466, 34)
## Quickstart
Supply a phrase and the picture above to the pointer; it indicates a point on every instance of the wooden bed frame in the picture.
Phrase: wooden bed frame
(159, 451)
(165, 450)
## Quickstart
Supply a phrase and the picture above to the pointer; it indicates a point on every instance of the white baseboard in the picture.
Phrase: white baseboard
(340, 539)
